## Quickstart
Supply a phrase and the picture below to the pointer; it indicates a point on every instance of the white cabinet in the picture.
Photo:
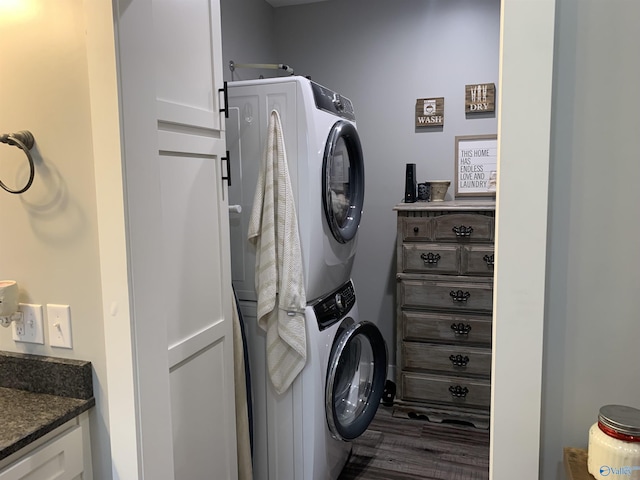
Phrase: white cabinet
(170, 79)
(61, 454)
(60, 458)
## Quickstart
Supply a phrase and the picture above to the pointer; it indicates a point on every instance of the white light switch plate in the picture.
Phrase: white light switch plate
(59, 321)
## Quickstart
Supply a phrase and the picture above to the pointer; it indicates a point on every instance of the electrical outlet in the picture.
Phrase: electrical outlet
(30, 329)
(59, 321)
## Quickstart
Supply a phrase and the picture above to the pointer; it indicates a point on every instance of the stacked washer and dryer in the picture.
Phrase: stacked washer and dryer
(305, 433)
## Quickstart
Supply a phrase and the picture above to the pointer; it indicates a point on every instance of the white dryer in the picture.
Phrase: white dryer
(326, 168)
(305, 433)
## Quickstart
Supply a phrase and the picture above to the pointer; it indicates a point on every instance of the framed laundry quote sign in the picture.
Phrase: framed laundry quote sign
(476, 165)
(430, 112)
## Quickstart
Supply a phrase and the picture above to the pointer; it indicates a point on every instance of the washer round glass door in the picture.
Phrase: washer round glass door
(343, 181)
(355, 379)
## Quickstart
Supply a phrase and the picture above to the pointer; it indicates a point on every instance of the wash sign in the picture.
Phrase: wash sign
(430, 112)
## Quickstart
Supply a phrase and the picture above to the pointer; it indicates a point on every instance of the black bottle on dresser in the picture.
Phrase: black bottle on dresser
(410, 183)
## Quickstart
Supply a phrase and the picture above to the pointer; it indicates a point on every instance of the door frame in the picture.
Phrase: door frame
(524, 131)
(527, 32)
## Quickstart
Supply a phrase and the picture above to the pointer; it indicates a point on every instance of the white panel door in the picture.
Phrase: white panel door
(195, 237)
(171, 73)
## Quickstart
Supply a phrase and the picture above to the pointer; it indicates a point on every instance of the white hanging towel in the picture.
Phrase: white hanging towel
(273, 228)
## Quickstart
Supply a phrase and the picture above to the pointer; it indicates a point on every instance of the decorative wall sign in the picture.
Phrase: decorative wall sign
(430, 112)
(476, 165)
(480, 98)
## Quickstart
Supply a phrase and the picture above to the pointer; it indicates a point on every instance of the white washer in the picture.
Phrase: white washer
(304, 434)
(294, 436)
(326, 169)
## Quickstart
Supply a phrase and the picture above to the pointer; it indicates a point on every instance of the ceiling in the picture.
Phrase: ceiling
(286, 3)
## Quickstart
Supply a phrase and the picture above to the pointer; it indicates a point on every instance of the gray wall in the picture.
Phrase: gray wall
(248, 36)
(593, 267)
(383, 56)
(591, 321)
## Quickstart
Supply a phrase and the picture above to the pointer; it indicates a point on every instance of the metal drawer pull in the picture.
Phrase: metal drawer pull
(489, 260)
(430, 257)
(459, 295)
(228, 177)
(459, 360)
(225, 91)
(462, 231)
(416, 229)
(460, 328)
(458, 391)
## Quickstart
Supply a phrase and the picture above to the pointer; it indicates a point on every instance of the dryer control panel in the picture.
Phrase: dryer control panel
(333, 102)
(335, 306)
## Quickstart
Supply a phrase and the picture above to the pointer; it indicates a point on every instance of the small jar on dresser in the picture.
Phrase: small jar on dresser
(444, 308)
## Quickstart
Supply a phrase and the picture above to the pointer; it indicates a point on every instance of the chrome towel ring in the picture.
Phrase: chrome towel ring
(23, 140)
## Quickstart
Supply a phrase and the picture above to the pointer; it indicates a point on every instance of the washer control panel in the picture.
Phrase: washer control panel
(332, 102)
(335, 306)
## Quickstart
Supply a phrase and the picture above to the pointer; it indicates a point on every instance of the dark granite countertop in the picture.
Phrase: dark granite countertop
(37, 395)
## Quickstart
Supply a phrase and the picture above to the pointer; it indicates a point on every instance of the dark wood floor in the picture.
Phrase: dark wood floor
(396, 448)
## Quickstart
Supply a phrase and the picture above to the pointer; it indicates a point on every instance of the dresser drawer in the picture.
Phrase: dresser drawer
(415, 229)
(448, 390)
(451, 295)
(462, 227)
(476, 260)
(430, 258)
(455, 329)
(449, 359)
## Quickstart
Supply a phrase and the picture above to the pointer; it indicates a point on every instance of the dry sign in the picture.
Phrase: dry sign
(480, 98)
(430, 112)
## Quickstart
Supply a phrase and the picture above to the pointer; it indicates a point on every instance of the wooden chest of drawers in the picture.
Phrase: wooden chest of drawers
(444, 304)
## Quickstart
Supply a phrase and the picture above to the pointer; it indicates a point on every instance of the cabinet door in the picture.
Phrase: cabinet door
(178, 227)
(58, 459)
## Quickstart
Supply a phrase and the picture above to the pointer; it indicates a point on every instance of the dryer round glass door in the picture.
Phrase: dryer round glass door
(355, 379)
(343, 181)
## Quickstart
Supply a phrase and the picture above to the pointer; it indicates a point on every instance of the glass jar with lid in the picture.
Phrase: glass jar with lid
(614, 444)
